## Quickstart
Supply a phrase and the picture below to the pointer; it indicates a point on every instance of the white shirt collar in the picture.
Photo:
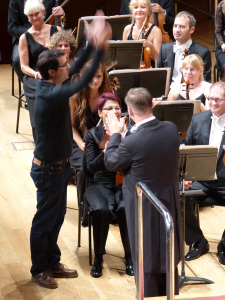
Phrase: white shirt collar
(186, 45)
(135, 127)
(217, 119)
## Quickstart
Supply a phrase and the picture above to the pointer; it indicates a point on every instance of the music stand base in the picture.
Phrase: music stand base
(183, 279)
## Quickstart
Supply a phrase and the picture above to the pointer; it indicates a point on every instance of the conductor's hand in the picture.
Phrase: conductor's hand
(115, 125)
(98, 32)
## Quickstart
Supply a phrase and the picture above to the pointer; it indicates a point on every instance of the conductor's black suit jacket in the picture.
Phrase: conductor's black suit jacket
(150, 155)
(166, 58)
(165, 4)
(18, 22)
(198, 134)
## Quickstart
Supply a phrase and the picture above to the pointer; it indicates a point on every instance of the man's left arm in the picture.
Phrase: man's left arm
(117, 157)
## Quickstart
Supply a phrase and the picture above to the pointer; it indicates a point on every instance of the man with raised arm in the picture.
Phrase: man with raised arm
(50, 167)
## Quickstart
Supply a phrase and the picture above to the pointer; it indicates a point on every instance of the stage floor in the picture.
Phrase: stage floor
(18, 205)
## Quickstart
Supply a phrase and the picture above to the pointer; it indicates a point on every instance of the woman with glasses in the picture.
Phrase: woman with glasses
(84, 116)
(104, 197)
(192, 67)
(33, 42)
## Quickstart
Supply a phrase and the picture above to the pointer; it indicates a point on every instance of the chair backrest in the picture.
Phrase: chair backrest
(87, 173)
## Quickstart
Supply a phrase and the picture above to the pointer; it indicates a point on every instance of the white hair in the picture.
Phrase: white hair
(33, 6)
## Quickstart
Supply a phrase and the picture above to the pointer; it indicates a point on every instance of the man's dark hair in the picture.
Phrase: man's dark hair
(192, 20)
(140, 100)
(47, 60)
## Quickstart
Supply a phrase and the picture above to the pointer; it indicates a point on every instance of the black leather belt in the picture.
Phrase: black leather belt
(56, 162)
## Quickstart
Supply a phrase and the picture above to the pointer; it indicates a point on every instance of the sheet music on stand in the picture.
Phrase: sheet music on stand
(118, 23)
(178, 112)
(127, 54)
(154, 80)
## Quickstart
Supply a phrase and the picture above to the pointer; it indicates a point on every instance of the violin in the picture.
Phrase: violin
(53, 15)
(185, 54)
(187, 90)
(159, 20)
(146, 63)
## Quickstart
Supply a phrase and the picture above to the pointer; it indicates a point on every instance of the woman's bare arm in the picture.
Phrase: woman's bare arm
(76, 135)
(24, 58)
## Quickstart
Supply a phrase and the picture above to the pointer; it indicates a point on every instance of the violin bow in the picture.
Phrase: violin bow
(142, 27)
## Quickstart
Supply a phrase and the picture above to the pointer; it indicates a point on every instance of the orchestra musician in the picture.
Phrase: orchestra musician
(192, 68)
(164, 7)
(31, 44)
(104, 197)
(136, 154)
(220, 37)
(84, 116)
(18, 23)
(50, 169)
(65, 41)
(172, 54)
(207, 128)
(141, 10)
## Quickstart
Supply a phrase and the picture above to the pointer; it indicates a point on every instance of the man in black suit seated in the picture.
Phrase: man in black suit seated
(164, 7)
(207, 128)
(149, 154)
(18, 23)
(172, 54)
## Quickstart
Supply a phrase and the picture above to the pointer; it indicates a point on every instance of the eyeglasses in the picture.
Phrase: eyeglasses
(64, 65)
(216, 100)
(34, 15)
(192, 70)
(110, 108)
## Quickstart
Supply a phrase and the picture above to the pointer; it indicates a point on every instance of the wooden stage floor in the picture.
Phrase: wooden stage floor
(17, 207)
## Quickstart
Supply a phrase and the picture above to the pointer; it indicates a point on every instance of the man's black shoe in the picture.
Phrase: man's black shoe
(129, 266)
(96, 271)
(221, 249)
(198, 249)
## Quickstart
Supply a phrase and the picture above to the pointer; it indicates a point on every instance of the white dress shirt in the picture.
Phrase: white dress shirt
(216, 132)
(135, 127)
(179, 56)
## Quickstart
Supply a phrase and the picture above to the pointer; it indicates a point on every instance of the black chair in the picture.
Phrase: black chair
(81, 206)
(20, 100)
(216, 71)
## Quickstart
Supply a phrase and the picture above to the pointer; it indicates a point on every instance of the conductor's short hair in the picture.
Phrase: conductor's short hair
(140, 100)
(48, 60)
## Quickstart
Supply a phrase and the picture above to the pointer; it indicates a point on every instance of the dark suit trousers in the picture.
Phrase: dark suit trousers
(103, 207)
(155, 284)
(214, 190)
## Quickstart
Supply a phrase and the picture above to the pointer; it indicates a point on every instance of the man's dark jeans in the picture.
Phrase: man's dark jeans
(51, 182)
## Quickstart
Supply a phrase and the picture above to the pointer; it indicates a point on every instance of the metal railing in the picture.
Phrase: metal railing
(142, 188)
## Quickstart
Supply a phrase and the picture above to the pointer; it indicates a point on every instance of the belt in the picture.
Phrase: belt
(56, 162)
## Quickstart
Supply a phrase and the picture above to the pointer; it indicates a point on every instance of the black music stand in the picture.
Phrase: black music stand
(178, 112)
(127, 54)
(191, 160)
(118, 23)
(154, 80)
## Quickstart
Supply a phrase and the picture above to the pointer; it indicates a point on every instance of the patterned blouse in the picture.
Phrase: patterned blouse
(219, 30)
